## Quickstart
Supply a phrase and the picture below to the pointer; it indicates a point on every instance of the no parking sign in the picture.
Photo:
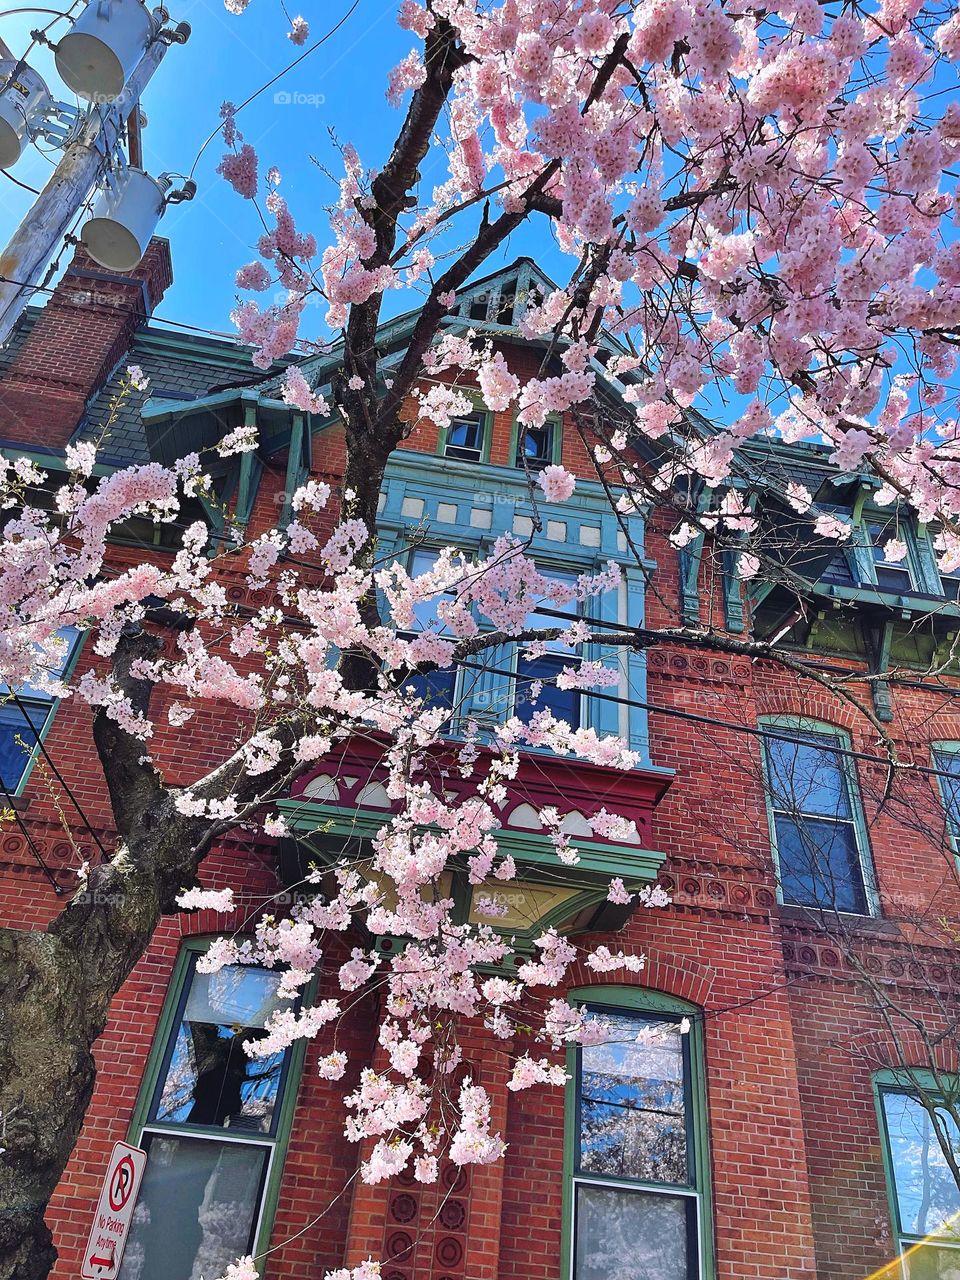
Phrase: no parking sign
(111, 1223)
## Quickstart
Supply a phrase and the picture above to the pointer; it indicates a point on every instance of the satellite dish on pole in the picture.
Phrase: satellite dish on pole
(23, 104)
(124, 219)
(101, 49)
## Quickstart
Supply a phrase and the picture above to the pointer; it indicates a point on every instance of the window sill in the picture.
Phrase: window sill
(811, 918)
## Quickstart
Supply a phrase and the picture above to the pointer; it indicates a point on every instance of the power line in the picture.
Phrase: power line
(59, 776)
(134, 311)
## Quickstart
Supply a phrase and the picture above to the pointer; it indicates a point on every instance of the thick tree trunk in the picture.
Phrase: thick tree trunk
(46, 1079)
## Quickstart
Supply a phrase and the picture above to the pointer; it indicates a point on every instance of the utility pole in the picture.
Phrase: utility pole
(83, 164)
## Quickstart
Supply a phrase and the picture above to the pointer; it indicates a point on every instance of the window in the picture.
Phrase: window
(924, 1198)
(637, 1184)
(890, 575)
(25, 714)
(438, 687)
(950, 583)
(214, 1127)
(466, 437)
(946, 758)
(535, 446)
(815, 822)
(535, 687)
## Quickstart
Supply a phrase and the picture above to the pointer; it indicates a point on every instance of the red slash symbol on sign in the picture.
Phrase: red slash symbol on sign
(121, 1184)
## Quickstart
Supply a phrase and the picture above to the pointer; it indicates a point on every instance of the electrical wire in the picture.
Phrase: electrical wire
(57, 887)
(280, 74)
(59, 776)
(134, 311)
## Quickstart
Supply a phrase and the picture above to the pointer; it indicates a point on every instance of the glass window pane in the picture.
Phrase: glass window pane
(197, 1208)
(949, 763)
(619, 1142)
(633, 1102)
(820, 864)
(893, 576)
(19, 733)
(927, 1194)
(563, 704)
(465, 437)
(426, 613)
(437, 688)
(807, 776)
(210, 1080)
(928, 1262)
(632, 1235)
(535, 446)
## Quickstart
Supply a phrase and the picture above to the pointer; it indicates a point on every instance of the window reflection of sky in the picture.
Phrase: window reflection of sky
(927, 1193)
(632, 1105)
(211, 1081)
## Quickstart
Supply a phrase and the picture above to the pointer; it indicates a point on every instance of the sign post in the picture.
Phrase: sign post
(111, 1223)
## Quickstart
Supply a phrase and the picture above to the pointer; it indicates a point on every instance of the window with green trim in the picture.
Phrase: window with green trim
(946, 758)
(466, 437)
(214, 1127)
(636, 1181)
(25, 715)
(899, 575)
(816, 823)
(537, 446)
(924, 1197)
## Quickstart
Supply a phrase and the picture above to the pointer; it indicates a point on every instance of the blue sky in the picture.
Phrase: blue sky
(339, 87)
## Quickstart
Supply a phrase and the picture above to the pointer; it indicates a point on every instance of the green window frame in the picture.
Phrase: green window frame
(26, 715)
(447, 445)
(945, 756)
(150, 1125)
(803, 819)
(551, 454)
(922, 1195)
(685, 1205)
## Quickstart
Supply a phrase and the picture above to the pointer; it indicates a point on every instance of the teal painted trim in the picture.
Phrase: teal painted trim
(848, 767)
(733, 611)
(297, 471)
(599, 860)
(277, 1145)
(251, 468)
(688, 560)
(634, 999)
(55, 461)
(196, 348)
(421, 467)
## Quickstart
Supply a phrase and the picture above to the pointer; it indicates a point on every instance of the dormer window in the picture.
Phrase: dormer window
(466, 437)
(478, 307)
(535, 446)
(505, 303)
(891, 575)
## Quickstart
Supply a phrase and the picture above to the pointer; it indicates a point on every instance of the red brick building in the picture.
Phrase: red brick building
(758, 1129)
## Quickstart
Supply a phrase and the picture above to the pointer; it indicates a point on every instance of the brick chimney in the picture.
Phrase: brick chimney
(76, 341)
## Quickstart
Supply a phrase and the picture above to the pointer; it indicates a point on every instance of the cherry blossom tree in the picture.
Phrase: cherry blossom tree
(758, 205)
